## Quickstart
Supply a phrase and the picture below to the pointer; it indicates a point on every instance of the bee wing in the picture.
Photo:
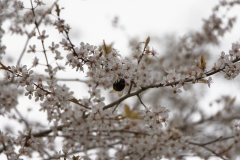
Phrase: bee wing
(113, 91)
(120, 93)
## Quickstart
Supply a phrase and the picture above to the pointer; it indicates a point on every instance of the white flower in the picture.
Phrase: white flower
(175, 92)
(235, 52)
(94, 92)
(209, 81)
(18, 5)
(53, 47)
(39, 94)
(39, 2)
(2, 49)
(35, 62)
(30, 89)
(32, 48)
(42, 36)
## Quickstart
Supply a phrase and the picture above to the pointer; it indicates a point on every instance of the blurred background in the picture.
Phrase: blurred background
(125, 22)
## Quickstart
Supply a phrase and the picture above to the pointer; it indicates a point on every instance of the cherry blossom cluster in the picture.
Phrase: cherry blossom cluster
(9, 98)
(227, 62)
(104, 68)
(6, 139)
(155, 118)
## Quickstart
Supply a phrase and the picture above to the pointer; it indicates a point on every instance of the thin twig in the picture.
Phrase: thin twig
(84, 150)
(115, 108)
(71, 79)
(203, 145)
(29, 36)
(209, 73)
(21, 117)
(141, 101)
(46, 132)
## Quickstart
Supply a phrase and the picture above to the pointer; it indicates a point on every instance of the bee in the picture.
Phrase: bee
(118, 86)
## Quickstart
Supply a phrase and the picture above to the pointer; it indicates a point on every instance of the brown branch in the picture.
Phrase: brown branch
(21, 117)
(46, 132)
(141, 101)
(84, 150)
(213, 141)
(209, 73)
(71, 79)
(203, 145)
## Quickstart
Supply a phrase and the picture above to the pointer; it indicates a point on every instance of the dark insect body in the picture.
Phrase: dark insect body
(119, 85)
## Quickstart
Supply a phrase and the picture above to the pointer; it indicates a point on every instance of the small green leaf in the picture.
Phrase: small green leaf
(147, 42)
(75, 158)
(203, 62)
